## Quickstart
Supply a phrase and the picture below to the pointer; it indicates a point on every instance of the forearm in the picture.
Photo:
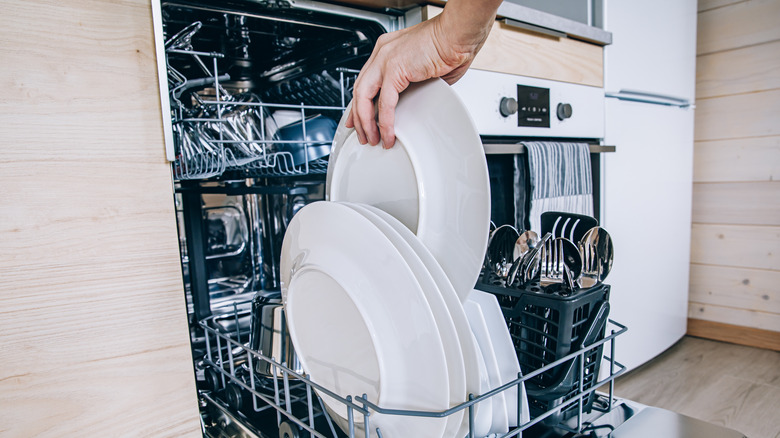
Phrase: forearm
(469, 19)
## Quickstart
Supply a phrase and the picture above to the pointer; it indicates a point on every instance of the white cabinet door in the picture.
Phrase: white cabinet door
(653, 48)
(647, 185)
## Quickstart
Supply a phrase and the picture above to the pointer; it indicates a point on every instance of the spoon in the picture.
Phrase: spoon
(501, 249)
(597, 255)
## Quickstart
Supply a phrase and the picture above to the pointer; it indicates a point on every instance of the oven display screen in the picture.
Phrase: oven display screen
(533, 106)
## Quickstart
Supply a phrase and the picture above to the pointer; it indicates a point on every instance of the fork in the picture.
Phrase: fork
(561, 263)
(552, 266)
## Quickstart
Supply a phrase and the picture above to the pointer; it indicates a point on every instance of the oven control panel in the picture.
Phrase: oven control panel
(518, 106)
(533, 106)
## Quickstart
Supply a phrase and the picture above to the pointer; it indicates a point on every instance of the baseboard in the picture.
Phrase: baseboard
(734, 334)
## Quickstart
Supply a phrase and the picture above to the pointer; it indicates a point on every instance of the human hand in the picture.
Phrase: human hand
(443, 46)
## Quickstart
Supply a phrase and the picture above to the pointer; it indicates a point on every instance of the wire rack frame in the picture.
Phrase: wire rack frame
(229, 347)
(207, 147)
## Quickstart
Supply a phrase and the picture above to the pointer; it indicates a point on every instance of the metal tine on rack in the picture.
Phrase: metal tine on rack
(286, 381)
(310, 406)
(350, 418)
(230, 361)
(276, 394)
(367, 419)
(520, 399)
(221, 360)
(471, 417)
(235, 317)
(327, 417)
(252, 382)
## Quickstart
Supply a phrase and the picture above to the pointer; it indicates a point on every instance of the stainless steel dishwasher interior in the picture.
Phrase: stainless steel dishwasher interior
(256, 89)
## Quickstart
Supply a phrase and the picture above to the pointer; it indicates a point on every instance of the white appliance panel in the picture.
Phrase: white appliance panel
(654, 47)
(646, 207)
(482, 92)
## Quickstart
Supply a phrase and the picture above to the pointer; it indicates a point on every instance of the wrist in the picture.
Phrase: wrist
(468, 22)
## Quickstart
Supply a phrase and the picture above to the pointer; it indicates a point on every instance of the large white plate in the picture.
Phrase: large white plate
(476, 372)
(452, 348)
(500, 422)
(506, 356)
(359, 321)
(434, 180)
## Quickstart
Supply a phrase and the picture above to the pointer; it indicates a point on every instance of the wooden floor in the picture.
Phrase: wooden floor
(730, 385)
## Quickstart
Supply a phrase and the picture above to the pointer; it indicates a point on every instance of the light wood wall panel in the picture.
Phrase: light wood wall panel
(743, 70)
(93, 322)
(735, 316)
(736, 195)
(738, 116)
(738, 25)
(745, 203)
(728, 286)
(736, 246)
(737, 160)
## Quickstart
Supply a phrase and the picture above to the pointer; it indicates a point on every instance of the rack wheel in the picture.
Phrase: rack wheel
(235, 397)
(212, 379)
(288, 430)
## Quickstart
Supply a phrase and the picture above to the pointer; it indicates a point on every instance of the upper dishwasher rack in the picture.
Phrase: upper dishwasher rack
(225, 132)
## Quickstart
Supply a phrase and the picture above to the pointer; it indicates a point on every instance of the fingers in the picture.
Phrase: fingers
(363, 115)
(349, 123)
(375, 79)
(388, 100)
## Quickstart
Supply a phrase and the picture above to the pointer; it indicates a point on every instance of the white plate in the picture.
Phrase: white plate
(476, 372)
(359, 321)
(483, 411)
(452, 349)
(434, 180)
(500, 423)
(508, 365)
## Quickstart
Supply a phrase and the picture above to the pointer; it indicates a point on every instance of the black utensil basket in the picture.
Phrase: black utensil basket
(546, 325)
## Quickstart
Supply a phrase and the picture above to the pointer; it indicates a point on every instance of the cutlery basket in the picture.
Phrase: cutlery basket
(547, 325)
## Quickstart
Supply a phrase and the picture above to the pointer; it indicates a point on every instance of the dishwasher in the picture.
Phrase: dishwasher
(254, 91)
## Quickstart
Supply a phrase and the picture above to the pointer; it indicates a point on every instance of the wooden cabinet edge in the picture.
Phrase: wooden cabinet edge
(537, 55)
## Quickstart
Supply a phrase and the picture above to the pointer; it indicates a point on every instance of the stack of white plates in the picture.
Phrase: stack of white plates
(377, 284)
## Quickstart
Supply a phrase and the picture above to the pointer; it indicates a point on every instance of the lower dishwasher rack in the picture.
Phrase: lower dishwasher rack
(237, 402)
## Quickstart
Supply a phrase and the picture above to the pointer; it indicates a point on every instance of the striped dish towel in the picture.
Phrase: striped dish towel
(560, 177)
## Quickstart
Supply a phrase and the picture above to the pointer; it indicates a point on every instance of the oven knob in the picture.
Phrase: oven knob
(508, 106)
(564, 111)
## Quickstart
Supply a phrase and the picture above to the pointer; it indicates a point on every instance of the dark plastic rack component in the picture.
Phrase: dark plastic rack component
(548, 324)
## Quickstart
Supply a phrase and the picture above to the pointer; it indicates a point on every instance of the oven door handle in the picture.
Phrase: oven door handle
(518, 148)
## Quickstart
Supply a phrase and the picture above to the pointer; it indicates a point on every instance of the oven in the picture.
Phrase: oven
(512, 112)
